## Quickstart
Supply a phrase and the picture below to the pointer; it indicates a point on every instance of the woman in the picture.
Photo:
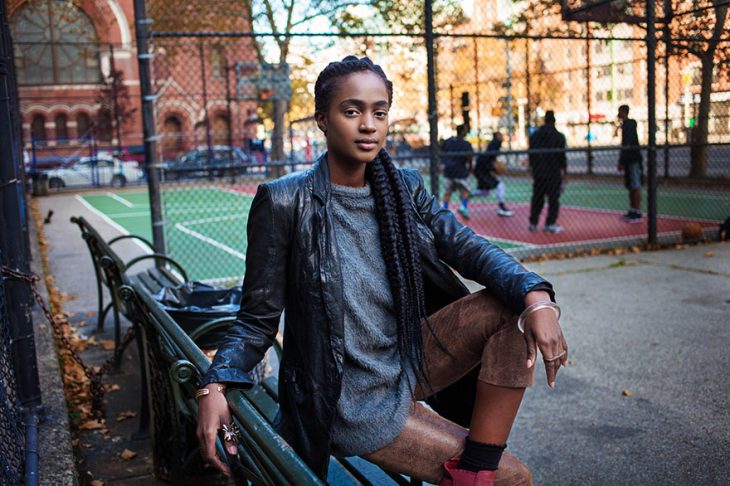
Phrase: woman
(356, 251)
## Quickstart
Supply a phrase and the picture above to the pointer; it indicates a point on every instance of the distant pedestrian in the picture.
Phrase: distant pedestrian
(630, 163)
(549, 172)
(457, 165)
(486, 175)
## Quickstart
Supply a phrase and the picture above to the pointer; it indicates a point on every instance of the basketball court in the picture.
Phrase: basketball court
(205, 227)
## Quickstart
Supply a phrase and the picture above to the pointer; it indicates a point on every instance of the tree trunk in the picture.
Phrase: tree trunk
(277, 137)
(700, 150)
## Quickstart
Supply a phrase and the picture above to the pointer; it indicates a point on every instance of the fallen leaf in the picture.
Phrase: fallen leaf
(89, 313)
(92, 425)
(125, 415)
(112, 388)
(86, 445)
(709, 254)
(106, 344)
(128, 455)
(97, 482)
(627, 393)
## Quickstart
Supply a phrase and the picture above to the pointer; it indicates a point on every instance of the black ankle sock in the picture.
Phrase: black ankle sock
(480, 457)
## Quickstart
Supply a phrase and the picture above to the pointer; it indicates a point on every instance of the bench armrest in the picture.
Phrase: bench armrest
(156, 257)
(210, 326)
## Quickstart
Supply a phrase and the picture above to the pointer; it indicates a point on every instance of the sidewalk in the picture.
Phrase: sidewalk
(644, 399)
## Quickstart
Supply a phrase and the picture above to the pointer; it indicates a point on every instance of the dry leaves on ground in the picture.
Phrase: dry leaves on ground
(128, 455)
(112, 388)
(92, 425)
(125, 415)
(97, 482)
(106, 344)
(627, 393)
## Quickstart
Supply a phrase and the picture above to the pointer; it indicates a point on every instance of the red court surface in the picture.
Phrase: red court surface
(580, 225)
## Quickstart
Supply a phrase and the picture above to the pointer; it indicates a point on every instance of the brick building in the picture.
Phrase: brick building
(66, 54)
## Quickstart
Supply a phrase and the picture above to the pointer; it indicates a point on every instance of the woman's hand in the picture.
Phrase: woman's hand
(543, 331)
(213, 412)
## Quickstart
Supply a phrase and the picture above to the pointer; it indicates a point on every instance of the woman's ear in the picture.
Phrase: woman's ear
(321, 120)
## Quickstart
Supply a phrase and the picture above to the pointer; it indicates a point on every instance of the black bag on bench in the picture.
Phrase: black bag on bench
(194, 303)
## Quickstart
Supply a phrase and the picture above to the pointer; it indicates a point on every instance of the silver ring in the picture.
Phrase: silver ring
(557, 356)
(230, 433)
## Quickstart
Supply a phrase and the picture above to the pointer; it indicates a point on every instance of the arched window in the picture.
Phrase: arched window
(55, 43)
(83, 125)
(104, 125)
(61, 122)
(172, 142)
(221, 126)
(38, 127)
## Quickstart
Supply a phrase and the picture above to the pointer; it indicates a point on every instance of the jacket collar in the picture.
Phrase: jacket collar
(321, 178)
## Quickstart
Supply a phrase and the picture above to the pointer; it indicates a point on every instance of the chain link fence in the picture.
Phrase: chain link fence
(11, 418)
(232, 106)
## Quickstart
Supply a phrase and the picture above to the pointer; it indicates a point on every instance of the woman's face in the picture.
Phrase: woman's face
(356, 122)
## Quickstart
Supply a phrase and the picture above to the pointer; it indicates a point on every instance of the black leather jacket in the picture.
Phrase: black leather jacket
(293, 262)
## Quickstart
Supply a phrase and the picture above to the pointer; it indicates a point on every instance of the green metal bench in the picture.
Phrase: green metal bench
(161, 275)
(263, 458)
(171, 365)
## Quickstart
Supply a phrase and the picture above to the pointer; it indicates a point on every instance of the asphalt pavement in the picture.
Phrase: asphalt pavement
(644, 399)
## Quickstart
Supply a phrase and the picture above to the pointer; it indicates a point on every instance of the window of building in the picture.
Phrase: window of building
(172, 138)
(61, 122)
(83, 125)
(217, 62)
(104, 125)
(221, 128)
(55, 43)
(38, 127)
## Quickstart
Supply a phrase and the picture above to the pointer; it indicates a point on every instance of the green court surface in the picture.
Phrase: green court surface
(205, 228)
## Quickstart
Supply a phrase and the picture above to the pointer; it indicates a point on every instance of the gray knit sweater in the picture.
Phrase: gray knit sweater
(373, 405)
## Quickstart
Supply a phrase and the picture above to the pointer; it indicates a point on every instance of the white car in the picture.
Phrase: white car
(102, 170)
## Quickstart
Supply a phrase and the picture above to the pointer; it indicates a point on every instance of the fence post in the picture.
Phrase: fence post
(589, 96)
(667, 48)
(14, 241)
(651, 105)
(432, 105)
(148, 123)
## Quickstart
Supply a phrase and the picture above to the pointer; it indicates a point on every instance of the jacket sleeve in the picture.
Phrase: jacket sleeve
(257, 320)
(472, 255)
(562, 154)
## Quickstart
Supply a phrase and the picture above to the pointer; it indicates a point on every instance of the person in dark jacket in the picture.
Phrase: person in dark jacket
(549, 171)
(457, 158)
(486, 175)
(630, 163)
(358, 253)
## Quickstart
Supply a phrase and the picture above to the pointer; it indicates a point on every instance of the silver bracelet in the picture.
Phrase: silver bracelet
(543, 304)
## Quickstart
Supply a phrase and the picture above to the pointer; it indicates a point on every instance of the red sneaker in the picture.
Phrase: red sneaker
(461, 477)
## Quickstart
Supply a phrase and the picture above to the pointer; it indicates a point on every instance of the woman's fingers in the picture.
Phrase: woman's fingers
(209, 453)
(544, 330)
(531, 349)
(212, 414)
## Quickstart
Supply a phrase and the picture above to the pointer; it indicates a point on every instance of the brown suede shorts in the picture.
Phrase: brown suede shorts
(477, 329)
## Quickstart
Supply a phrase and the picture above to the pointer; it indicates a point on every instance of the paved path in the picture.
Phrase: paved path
(653, 324)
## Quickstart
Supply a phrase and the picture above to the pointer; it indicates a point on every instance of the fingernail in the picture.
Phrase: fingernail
(552, 385)
(529, 363)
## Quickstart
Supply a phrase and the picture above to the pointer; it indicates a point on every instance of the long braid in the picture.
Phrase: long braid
(397, 228)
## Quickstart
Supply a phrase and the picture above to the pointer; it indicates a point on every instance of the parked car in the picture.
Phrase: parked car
(101, 170)
(44, 162)
(219, 161)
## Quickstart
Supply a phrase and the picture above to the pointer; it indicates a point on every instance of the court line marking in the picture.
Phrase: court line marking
(214, 219)
(120, 199)
(111, 222)
(211, 241)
